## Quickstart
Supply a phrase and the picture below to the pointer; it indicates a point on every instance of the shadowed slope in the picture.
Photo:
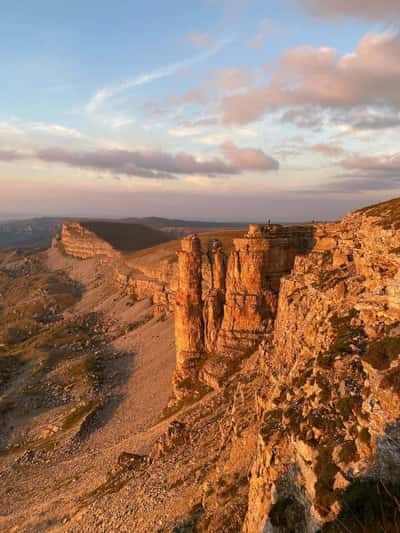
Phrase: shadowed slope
(125, 236)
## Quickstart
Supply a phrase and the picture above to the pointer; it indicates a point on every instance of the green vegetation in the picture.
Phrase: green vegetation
(271, 424)
(288, 515)
(325, 471)
(368, 506)
(189, 525)
(348, 405)
(392, 380)
(78, 414)
(382, 352)
(330, 278)
(348, 452)
(344, 332)
(195, 392)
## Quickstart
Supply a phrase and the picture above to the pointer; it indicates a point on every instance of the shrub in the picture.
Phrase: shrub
(382, 352)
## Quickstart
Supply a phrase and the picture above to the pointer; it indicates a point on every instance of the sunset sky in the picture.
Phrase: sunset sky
(210, 109)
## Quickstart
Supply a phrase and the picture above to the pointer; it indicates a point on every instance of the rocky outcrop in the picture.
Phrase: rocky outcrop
(225, 307)
(331, 402)
(189, 325)
(321, 306)
(82, 243)
(256, 265)
(215, 297)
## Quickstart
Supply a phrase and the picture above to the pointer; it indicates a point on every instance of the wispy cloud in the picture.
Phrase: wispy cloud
(101, 96)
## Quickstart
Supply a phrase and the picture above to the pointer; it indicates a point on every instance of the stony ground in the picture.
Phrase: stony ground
(85, 373)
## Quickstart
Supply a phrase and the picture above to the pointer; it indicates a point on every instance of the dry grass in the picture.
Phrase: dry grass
(150, 258)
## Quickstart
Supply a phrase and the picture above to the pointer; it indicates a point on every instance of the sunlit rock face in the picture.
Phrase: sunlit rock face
(329, 430)
(189, 326)
(82, 243)
(226, 306)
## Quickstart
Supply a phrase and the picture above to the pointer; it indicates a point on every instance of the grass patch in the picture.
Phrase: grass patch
(79, 413)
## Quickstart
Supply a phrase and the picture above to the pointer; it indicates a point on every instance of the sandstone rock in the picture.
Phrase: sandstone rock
(189, 325)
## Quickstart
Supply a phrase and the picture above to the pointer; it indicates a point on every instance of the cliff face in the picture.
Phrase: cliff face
(224, 308)
(322, 309)
(330, 410)
(82, 243)
(189, 327)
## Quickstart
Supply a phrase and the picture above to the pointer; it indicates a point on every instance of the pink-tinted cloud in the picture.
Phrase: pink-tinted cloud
(232, 79)
(321, 77)
(223, 82)
(9, 155)
(199, 40)
(153, 164)
(305, 117)
(376, 166)
(147, 164)
(383, 10)
(329, 150)
(250, 159)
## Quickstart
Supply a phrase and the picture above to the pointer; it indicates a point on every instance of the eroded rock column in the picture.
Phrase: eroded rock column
(215, 299)
(189, 326)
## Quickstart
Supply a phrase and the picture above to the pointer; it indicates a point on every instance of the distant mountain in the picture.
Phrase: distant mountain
(30, 232)
(40, 231)
(158, 222)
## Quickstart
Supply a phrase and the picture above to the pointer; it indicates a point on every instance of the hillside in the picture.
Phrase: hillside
(247, 384)
(126, 237)
(40, 231)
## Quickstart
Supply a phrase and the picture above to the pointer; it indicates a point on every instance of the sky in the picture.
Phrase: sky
(209, 109)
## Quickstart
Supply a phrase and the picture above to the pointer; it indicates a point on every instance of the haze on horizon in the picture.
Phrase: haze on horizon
(228, 110)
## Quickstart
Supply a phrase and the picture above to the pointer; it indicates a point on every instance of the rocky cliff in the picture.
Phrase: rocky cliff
(322, 308)
(82, 243)
(224, 308)
(329, 432)
(285, 414)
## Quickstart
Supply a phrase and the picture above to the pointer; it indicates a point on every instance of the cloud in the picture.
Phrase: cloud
(10, 155)
(101, 96)
(19, 127)
(146, 164)
(329, 150)
(250, 159)
(306, 117)
(225, 81)
(366, 173)
(321, 78)
(199, 40)
(375, 120)
(378, 166)
(56, 129)
(232, 79)
(154, 164)
(379, 10)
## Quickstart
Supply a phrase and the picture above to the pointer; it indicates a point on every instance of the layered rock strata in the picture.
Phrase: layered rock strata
(329, 418)
(189, 325)
(232, 302)
(82, 243)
